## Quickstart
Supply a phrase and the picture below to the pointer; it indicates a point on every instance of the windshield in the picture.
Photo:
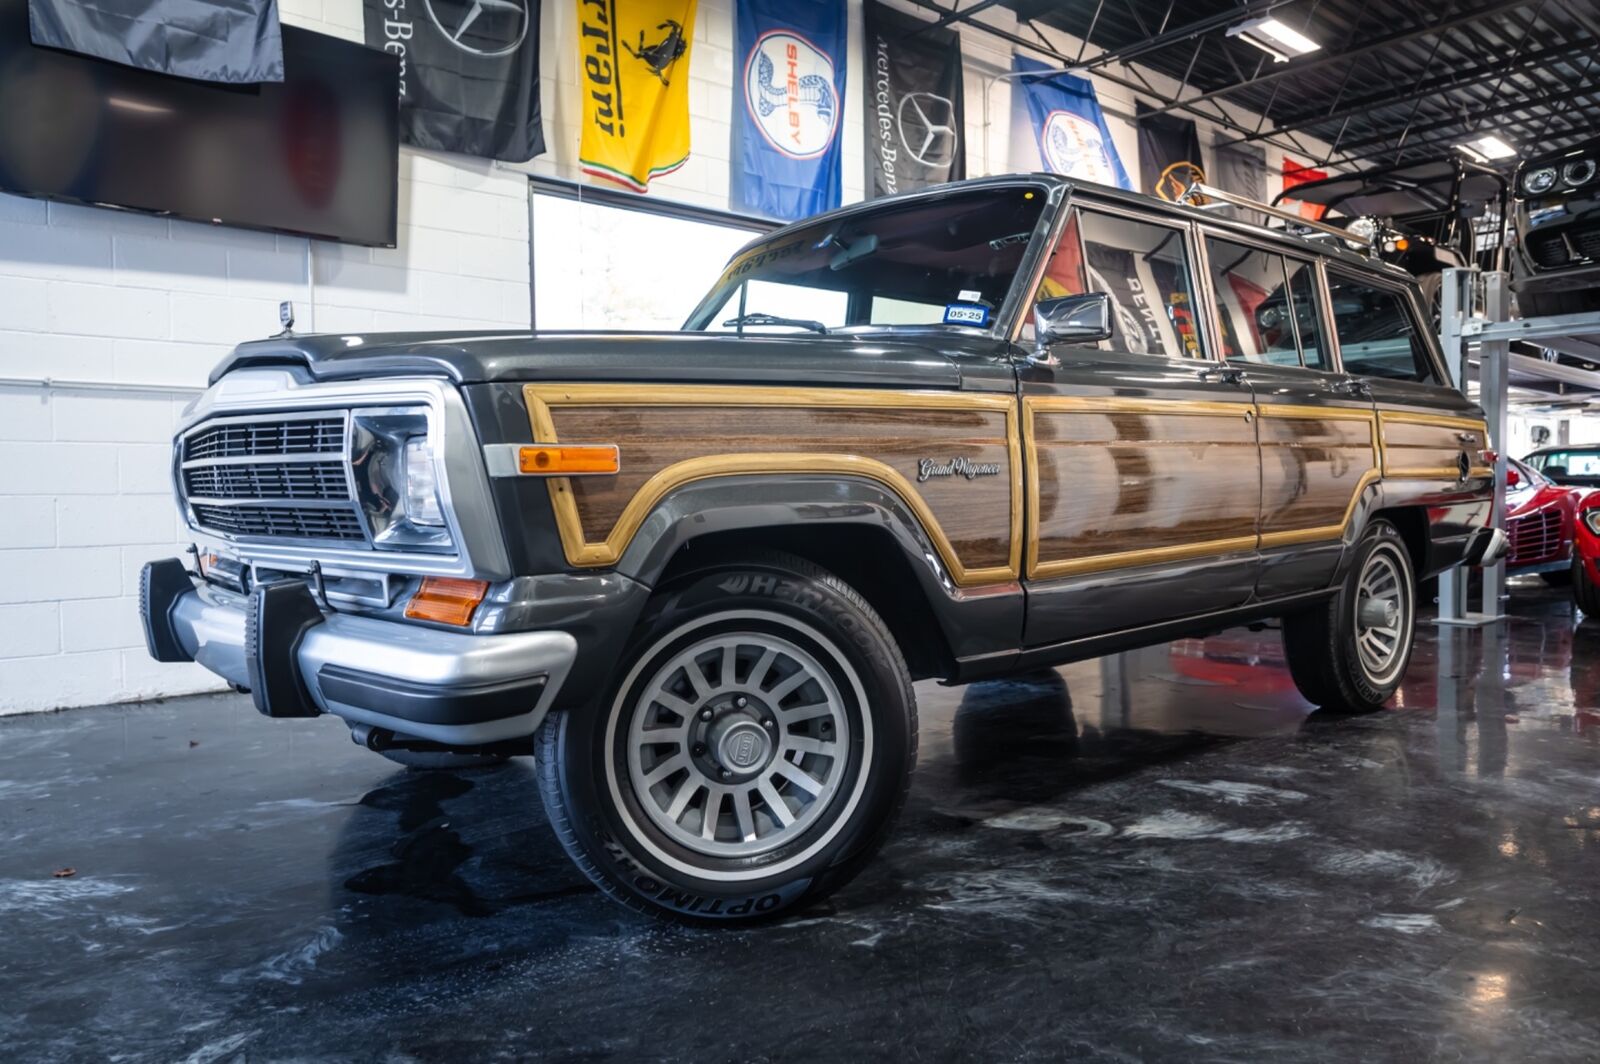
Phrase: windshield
(943, 260)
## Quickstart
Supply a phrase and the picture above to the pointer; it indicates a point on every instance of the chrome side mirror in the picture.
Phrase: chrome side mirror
(1082, 319)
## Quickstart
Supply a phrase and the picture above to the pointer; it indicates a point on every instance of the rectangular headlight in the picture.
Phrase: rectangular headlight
(397, 480)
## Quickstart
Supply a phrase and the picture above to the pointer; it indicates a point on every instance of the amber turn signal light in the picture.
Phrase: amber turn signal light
(446, 601)
(562, 460)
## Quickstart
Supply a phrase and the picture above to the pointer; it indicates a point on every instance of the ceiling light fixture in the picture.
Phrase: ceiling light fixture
(1487, 149)
(1275, 38)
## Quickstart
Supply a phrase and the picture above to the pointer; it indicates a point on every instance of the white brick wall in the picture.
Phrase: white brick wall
(94, 294)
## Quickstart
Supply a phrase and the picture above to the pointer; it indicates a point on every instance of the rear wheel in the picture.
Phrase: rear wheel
(749, 757)
(1350, 655)
(1584, 590)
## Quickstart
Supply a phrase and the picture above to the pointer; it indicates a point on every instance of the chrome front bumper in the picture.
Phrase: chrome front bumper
(447, 687)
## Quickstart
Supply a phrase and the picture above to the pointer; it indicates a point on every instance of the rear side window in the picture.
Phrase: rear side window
(1144, 268)
(1265, 305)
(1378, 334)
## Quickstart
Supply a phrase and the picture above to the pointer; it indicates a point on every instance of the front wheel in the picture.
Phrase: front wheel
(750, 755)
(1584, 591)
(1350, 655)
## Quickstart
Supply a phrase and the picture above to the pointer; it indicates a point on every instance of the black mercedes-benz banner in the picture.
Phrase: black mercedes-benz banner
(234, 41)
(469, 73)
(916, 131)
(1169, 154)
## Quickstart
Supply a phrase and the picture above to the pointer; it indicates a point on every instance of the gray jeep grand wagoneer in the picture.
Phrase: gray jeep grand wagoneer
(989, 427)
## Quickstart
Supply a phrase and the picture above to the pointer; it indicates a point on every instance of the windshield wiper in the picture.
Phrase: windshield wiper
(772, 319)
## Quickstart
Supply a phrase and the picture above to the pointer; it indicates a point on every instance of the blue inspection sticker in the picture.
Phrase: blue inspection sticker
(966, 314)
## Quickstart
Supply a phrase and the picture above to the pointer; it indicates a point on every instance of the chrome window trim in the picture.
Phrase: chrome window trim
(278, 394)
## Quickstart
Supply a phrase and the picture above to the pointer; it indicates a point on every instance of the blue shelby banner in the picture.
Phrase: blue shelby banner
(789, 101)
(1069, 129)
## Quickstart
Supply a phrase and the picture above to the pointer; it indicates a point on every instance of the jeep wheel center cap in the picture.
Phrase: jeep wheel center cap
(743, 747)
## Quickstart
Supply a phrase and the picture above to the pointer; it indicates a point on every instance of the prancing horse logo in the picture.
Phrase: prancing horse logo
(660, 57)
(504, 24)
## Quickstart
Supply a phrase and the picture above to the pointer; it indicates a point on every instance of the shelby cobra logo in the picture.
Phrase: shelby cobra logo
(928, 468)
(1072, 146)
(788, 87)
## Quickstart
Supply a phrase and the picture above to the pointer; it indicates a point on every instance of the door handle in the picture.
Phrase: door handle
(1225, 374)
(1351, 386)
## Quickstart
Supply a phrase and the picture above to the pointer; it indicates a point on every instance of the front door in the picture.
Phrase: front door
(1142, 464)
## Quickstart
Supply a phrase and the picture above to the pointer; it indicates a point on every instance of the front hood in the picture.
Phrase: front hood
(925, 359)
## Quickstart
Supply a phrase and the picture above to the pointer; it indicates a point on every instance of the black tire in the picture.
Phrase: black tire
(1559, 578)
(442, 761)
(617, 826)
(1321, 644)
(1584, 590)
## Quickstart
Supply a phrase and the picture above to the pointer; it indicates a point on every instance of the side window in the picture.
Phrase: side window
(1378, 334)
(1144, 267)
(1308, 323)
(1254, 304)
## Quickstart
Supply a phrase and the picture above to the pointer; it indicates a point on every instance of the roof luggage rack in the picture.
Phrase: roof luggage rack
(1215, 198)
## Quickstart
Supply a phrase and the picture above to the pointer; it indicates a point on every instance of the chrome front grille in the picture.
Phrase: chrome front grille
(1534, 537)
(272, 476)
(278, 480)
(240, 439)
(341, 525)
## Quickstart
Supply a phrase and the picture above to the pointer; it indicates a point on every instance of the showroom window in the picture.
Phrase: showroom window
(1265, 304)
(599, 265)
(1145, 270)
(1378, 336)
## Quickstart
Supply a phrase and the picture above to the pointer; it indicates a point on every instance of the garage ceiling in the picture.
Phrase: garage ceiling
(1394, 81)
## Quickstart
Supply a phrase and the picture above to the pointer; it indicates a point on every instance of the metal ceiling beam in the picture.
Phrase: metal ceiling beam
(1388, 135)
(1219, 118)
(1432, 87)
(1300, 67)
(1447, 143)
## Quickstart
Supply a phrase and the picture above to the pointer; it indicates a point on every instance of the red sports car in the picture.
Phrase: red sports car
(1540, 515)
(1586, 555)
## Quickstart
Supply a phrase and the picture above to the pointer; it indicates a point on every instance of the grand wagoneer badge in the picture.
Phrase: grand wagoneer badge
(928, 468)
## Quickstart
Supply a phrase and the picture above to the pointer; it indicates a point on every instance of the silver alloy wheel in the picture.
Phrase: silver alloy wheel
(1383, 616)
(737, 744)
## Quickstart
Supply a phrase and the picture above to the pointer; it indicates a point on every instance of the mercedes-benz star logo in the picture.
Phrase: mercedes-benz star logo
(482, 27)
(927, 128)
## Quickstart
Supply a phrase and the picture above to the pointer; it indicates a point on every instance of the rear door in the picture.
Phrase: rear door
(1317, 431)
(1142, 465)
(1431, 432)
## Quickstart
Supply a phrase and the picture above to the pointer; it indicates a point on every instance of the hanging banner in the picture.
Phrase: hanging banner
(1299, 174)
(1242, 170)
(232, 41)
(635, 88)
(469, 73)
(1068, 126)
(789, 66)
(1169, 154)
(915, 115)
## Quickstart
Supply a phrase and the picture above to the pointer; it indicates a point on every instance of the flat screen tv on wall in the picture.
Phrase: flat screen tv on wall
(315, 155)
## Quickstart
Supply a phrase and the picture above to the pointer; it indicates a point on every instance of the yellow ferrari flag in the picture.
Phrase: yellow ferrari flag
(635, 84)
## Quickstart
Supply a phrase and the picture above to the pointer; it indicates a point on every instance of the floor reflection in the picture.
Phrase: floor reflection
(1171, 839)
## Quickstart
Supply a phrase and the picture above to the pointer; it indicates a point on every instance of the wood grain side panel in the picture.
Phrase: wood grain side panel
(674, 434)
(1312, 468)
(1427, 447)
(1116, 487)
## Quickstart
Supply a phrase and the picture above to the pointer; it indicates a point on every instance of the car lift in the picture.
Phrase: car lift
(1492, 333)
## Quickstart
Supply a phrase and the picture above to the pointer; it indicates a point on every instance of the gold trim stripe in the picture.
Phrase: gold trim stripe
(581, 552)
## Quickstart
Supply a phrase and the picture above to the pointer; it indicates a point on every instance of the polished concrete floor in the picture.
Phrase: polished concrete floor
(1162, 855)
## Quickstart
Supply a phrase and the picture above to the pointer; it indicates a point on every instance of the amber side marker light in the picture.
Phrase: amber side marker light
(561, 460)
(446, 601)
